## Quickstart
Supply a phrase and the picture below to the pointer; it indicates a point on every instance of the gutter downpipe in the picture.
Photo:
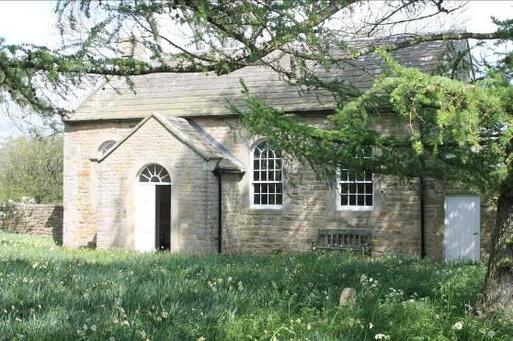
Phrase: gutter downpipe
(422, 190)
(219, 174)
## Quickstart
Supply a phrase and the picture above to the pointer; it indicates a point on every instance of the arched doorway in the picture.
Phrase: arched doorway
(153, 209)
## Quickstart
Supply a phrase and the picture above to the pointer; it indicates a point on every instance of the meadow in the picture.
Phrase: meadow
(51, 293)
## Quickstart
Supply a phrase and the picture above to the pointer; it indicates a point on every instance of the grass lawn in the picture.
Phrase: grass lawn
(47, 292)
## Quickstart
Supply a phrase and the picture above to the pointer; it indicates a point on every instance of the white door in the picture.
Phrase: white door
(462, 227)
(145, 217)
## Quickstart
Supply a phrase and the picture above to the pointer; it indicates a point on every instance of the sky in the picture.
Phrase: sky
(34, 22)
(25, 22)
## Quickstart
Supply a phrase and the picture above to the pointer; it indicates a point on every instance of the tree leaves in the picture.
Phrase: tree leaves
(31, 166)
(447, 129)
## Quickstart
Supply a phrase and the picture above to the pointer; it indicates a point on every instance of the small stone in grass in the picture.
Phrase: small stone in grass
(348, 296)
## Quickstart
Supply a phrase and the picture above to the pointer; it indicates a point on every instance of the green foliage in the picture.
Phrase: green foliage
(31, 76)
(505, 264)
(31, 167)
(51, 293)
(7, 214)
(92, 31)
(447, 129)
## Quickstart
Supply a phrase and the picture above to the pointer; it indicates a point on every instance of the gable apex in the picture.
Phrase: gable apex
(182, 130)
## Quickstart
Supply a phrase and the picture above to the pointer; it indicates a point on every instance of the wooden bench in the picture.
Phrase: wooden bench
(344, 239)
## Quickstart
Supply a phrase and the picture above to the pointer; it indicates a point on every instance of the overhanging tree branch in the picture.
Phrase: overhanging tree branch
(399, 44)
(124, 67)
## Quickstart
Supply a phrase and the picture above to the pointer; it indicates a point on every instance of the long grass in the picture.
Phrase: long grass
(47, 292)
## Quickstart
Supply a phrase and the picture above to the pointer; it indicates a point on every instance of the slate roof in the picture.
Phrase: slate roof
(205, 94)
(193, 136)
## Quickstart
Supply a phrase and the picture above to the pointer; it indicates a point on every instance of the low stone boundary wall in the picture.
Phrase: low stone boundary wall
(42, 219)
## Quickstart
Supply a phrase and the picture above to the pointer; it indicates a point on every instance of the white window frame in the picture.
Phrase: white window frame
(154, 170)
(347, 181)
(253, 181)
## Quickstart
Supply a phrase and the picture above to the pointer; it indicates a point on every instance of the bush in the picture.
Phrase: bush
(31, 169)
(6, 214)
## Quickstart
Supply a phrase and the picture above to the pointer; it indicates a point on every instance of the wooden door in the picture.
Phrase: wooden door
(462, 228)
(145, 217)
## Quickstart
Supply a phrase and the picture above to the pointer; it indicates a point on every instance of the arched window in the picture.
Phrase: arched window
(356, 188)
(155, 173)
(105, 147)
(267, 183)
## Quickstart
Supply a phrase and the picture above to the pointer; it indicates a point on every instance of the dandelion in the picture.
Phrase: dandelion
(457, 326)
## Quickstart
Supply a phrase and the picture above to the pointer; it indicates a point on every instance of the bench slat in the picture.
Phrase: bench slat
(344, 239)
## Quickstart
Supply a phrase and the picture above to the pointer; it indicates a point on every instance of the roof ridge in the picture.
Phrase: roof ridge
(184, 94)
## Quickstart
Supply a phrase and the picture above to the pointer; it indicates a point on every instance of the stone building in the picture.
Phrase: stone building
(167, 167)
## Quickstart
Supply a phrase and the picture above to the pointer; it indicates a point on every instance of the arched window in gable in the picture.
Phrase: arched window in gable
(105, 147)
(267, 177)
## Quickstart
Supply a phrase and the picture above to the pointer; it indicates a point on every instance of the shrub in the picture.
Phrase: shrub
(31, 169)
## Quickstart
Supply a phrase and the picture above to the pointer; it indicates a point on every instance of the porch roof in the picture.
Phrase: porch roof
(193, 136)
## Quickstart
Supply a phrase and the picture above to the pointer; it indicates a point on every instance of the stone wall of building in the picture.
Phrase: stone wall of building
(41, 219)
(309, 205)
(193, 191)
(99, 197)
(81, 142)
